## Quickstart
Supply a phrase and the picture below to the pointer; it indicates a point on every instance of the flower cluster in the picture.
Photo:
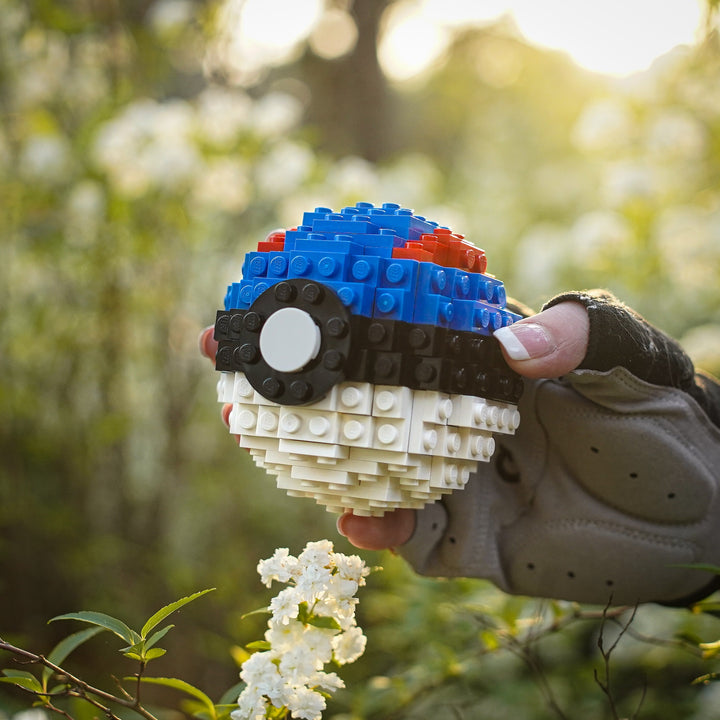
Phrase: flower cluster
(312, 624)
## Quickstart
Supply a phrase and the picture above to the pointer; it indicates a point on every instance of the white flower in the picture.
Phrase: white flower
(250, 706)
(279, 567)
(284, 606)
(352, 567)
(305, 703)
(313, 582)
(297, 664)
(327, 681)
(283, 636)
(349, 646)
(263, 678)
(318, 644)
(288, 675)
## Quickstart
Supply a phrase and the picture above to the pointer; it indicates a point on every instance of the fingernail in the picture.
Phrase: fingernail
(340, 522)
(525, 341)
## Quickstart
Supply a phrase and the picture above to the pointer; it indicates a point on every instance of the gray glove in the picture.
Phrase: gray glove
(610, 487)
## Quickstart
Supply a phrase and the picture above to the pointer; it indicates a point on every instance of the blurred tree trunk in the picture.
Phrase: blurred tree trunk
(351, 102)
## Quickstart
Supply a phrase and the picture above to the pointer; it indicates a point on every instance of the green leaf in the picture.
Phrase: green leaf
(154, 653)
(163, 612)
(107, 622)
(258, 645)
(183, 687)
(303, 612)
(259, 611)
(231, 695)
(322, 621)
(65, 647)
(22, 679)
(157, 636)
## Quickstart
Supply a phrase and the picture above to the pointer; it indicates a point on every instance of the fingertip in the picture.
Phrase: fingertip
(207, 343)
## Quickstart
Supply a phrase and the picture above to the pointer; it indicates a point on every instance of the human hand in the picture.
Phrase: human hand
(208, 348)
(548, 344)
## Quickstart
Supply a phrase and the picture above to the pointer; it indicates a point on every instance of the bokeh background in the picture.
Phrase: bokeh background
(145, 146)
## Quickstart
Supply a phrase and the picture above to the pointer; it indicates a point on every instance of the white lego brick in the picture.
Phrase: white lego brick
(225, 387)
(450, 441)
(432, 406)
(477, 445)
(243, 419)
(355, 398)
(392, 434)
(299, 423)
(268, 423)
(243, 391)
(357, 430)
(320, 476)
(474, 412)
(392, 401)
(314, 449)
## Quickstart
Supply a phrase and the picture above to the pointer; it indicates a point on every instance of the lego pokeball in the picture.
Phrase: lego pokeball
(358, 356)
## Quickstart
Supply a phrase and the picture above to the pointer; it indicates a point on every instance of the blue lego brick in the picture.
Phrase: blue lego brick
(340, 224)
(337, 244)
(255, 265)
(394, 304)
(382, 244)
(398, 273)
(433, 279)
(487, 289)
(433, 310)
(509, 317)
(302, 233)
(239, 295)
(476, 316)
(403, 222)
(358, 298)
(278, 264)
(321, 266)
(460, 284)
(364, 269)
(320, 213)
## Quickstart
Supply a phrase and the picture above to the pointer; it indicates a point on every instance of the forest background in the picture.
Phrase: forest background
(138, 165)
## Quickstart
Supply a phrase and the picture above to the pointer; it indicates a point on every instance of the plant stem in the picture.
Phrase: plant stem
(83, 690)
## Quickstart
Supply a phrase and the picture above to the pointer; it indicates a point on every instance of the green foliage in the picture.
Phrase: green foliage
(140, 649)
(131, 187)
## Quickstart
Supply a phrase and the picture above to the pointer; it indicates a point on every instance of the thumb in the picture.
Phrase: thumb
(549, 344)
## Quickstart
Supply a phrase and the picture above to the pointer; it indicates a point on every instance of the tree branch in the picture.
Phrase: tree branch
(77, 687)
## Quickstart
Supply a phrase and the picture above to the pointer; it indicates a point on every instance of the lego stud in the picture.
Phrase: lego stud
(289, 340)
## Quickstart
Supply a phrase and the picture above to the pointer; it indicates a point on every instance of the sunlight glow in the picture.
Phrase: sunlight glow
(614, 37)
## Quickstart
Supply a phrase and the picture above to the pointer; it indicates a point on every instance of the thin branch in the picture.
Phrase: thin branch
(83, 690)
(605, 683)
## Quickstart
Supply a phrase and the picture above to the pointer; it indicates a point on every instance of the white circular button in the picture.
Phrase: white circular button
(289, 340)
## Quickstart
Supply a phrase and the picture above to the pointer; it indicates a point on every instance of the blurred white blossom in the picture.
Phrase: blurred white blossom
(604, 125)
(43, 60)
(223, 185)
(167, 16)
(85, 212)
(626, 180)
(675, 134)
(312, 624)
(598, 232)
(46, 158)
(222, 114)
(149, 145)
(539, 258)
(276, 113)
(284, 169)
